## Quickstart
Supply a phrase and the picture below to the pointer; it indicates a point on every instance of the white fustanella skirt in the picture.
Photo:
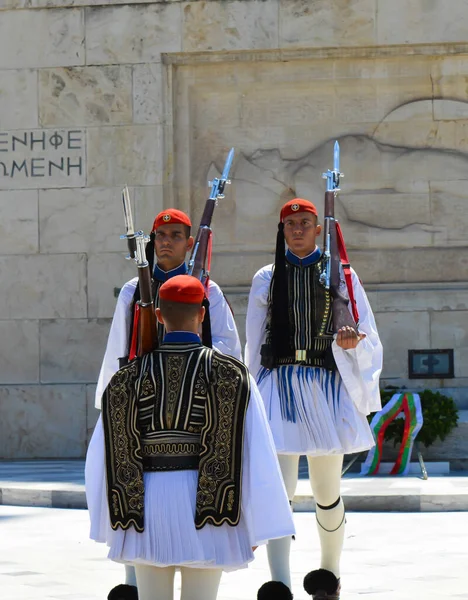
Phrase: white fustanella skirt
(310, 412)
(169, 536)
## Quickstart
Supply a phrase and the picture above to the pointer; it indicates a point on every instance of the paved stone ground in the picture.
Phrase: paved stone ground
(45, 554)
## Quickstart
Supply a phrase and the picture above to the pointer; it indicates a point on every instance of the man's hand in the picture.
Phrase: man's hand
(347, 338)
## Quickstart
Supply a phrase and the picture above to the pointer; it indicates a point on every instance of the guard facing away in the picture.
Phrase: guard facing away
(170, 241)
(193, 481)
(318, 380)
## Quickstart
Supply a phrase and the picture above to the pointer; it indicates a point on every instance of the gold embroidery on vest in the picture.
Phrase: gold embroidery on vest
(123, 450)
(175, 371)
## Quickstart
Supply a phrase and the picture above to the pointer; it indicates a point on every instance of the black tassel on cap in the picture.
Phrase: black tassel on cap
(149, 251)
(280, 340)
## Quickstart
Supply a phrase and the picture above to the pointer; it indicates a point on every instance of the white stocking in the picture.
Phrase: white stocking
(278, 550)
(325, 479)
(130, 577)
(155, 583)
(200, 584)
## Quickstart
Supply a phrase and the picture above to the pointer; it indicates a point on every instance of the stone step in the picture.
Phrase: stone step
(394, 494)
(60, 484)
(432, 468)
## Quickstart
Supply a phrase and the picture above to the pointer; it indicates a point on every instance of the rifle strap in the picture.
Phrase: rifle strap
(347, 271)
(207, 338)
(208, 263)
(134, 342)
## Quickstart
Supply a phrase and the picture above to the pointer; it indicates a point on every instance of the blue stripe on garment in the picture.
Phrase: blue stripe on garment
(262, 374)
(288, 408)
(302, 376)
(329, 382)
(333, 388)
(339, 389)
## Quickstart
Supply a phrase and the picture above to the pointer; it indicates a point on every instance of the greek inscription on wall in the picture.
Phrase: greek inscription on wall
(42, 158)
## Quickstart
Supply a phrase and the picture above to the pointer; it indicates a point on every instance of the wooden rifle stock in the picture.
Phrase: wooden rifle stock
(147, 330)
(198, 267)
(147, 339)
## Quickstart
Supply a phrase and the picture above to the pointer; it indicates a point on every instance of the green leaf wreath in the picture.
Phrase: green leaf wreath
(440, 417)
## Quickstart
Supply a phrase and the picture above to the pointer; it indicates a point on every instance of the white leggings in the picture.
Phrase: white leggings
(325, 480)
(157, 583)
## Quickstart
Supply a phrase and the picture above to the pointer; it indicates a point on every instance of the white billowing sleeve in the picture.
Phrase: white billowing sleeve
(117, 342)
(360, 368)
(96, 485)
(223, 327)
(265, 504)
(257, 312)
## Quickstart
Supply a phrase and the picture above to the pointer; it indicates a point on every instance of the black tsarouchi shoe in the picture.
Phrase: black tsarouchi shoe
(123, 592)
(322, 584)
(274, 590)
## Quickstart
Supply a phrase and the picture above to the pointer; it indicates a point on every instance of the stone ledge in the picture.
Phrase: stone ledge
(47, 497)
(289, 54)
(303, 501)
(60, 484)
(50, 4)
(394, 494)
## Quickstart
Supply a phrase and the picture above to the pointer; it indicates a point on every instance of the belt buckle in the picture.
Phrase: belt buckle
(301, 355)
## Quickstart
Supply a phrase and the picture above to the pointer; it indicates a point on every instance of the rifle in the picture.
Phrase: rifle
(145, 331)
(147, 324)
(333, 243)
(130, 236)
(200, 259)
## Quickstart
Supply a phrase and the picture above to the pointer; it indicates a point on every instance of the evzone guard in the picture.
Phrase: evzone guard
(314, 349)
(193, 481)
(169, 242)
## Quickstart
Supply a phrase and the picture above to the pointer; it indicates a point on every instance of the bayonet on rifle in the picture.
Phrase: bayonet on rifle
(144, 336)
(130, 236)
(331, 275)
(333, 185)
(198, 265)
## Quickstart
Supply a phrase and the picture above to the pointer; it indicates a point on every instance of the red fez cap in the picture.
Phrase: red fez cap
(171, 216)
(295, 206)
(184, 289)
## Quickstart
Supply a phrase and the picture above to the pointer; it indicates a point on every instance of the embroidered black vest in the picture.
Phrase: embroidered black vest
(310, 320)
(180, 407)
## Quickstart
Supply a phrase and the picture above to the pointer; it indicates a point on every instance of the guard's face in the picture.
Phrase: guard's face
(171, 244)
(300, 233)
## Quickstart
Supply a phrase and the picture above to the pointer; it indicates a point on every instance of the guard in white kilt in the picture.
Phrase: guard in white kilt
(170, 241)
(317, 386)
(193, 481)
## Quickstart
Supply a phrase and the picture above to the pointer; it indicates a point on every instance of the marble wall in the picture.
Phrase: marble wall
(96, 94)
